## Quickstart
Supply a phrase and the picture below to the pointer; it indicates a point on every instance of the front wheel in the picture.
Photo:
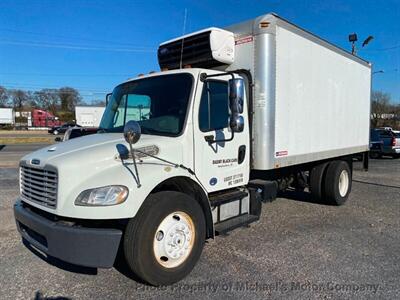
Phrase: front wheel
(164, 241)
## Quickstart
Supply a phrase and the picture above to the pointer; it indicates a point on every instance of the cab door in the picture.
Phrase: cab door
(222, 164)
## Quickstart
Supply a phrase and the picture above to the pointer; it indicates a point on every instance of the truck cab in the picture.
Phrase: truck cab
(189, 145)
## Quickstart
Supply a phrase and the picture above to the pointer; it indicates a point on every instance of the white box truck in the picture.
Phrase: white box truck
(89, 116)
(7, 116)
(234, 116)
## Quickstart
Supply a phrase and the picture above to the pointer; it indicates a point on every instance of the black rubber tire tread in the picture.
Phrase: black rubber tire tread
(317, 181)
(140, 231)
(332, 194)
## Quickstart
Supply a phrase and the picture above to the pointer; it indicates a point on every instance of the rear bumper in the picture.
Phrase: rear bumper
(391, 150)
(84, 246)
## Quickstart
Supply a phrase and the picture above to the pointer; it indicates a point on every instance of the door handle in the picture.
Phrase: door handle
(241, 154)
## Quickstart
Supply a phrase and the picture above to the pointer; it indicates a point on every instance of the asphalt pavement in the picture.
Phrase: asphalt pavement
(298, 249)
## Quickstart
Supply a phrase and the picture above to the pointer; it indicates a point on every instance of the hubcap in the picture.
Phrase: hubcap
(173, 241)
(343, 183)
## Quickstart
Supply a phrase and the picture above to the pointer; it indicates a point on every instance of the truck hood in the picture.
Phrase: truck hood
(94, 147)
(95, 160)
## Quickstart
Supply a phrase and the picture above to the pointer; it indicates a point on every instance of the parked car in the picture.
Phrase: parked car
(384, 141)
(375, 149)
(61, 129)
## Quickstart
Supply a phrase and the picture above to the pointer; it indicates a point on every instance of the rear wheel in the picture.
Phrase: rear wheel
(164, 241)
(316, 181)
(338, 180)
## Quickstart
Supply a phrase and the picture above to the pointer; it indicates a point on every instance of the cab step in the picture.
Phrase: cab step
(226, 197)
(235, 222)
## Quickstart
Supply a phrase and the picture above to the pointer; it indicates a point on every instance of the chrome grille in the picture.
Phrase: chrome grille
(39, 185)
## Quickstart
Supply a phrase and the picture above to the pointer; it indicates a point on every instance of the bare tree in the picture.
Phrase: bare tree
(3, 97)
(98, 103)
(380, 107)
(69, 98)
(19, 98)
(47, 99)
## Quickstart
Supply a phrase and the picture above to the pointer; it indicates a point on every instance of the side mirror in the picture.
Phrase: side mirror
(236, 123)
(236, 95)
(132, 132)
(108, 97)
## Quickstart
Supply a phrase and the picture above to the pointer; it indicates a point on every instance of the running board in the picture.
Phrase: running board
(235, 222)
(226, 197)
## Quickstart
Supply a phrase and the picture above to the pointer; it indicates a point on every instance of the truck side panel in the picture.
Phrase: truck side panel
(322, 101)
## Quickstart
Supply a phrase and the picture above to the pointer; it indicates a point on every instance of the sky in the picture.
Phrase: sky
(95, 45)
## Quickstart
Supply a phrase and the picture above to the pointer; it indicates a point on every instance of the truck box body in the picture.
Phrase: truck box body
(89, 116)
(7, 116)
(311, 98)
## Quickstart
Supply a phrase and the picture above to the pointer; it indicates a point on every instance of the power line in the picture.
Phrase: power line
(68, 37)
(41, 87)
(66, 75)
(75, 47)
(383, 49)
(56, 91)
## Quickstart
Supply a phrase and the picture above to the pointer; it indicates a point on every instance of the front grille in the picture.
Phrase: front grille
(39, 185)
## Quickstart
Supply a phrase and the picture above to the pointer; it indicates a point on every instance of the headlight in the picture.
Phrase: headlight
(103, 196)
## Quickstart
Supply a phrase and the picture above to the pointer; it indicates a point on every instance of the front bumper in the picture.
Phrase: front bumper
(84, 246)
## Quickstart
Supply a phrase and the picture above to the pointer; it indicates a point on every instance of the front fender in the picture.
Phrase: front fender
(151, 174)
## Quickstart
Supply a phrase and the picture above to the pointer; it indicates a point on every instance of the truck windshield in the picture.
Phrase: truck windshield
(159, 104)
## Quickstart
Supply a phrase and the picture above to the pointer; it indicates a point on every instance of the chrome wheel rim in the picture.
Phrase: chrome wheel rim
(173, 240)
(343, 183)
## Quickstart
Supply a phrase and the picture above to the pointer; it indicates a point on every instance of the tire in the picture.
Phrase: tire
(374, 155)
(165, 216)
(338, 180)
(316, 181)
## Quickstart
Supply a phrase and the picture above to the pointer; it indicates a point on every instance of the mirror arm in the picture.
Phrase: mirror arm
(204, 76)
(134, 164)
(210, 139)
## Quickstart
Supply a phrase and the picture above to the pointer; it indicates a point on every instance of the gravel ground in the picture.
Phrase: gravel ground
(298, 249)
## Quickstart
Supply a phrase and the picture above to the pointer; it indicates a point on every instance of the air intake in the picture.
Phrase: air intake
(207, 48)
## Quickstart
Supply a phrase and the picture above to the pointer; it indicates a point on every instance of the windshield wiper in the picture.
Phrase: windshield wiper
(101, 130)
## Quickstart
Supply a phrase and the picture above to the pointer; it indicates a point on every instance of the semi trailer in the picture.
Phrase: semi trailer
(89, 116)
(234, 116)
(7, 116)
